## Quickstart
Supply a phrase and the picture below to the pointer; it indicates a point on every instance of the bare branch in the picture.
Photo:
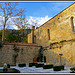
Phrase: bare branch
(8, 10)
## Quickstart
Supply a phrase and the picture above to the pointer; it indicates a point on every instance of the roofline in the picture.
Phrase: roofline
(55, 15)
(23, 45)
(28, 44)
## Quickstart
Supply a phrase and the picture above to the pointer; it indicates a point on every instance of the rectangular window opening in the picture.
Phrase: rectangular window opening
(73, 23)
(34, 38)
(48, 34)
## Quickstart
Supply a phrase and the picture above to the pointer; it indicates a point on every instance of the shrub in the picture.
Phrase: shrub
(21, 65)
(58, 68)
(72, 70)
(47, 66)
(62, 67)
(8, 66)
(10, 70)
(32, 64)
(1, 45)
(13, 70)
(39, 65)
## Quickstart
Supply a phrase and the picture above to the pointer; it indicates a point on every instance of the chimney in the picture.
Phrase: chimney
(33, 28)
(36, 27)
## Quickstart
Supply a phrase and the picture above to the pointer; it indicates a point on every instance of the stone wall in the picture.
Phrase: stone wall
(18, 54)
(60, 28)
(6, 55)
(26, 54)
(67, 48)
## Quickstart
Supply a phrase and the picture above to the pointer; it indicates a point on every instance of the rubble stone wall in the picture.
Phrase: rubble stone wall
(25, 54)
(66, 48)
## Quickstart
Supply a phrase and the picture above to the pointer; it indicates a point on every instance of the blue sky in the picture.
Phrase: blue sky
(41, 12)
(41, 9)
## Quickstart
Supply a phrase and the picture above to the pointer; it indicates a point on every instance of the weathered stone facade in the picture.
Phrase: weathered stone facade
(15, 54)
(61, 40)
(67, 48)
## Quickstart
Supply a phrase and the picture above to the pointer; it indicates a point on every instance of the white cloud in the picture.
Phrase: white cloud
(32, 20)
(15, 27)
(38, 20)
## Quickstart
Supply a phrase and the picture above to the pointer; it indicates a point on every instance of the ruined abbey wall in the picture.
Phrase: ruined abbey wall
(67, 48)
(60, 28)
(62, 38)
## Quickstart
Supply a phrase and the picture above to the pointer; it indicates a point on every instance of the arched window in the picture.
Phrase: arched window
(73, 23)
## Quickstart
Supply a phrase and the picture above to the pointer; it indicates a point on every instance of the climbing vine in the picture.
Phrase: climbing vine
(15, 49)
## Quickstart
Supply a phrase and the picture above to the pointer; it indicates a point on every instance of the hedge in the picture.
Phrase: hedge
(32, 64)
(21, 65)
(58, 68)
(48, 66)
(72, 70)
(39, 65)
(8, 66)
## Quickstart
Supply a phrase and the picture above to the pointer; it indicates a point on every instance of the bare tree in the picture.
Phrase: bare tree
(22, 25)
(7, 12)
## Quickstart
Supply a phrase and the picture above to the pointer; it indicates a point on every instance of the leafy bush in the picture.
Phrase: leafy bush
(8, 66)
(58, 68)
(32, 64)
(39, 65)
(47, 66)
(72, 70)
(21, 65)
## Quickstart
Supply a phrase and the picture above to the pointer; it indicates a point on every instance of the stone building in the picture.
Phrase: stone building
(57, 37)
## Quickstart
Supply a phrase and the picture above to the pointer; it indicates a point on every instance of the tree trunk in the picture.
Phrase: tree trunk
(3, 33)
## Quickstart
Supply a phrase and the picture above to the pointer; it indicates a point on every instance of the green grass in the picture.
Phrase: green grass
(11, 70)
